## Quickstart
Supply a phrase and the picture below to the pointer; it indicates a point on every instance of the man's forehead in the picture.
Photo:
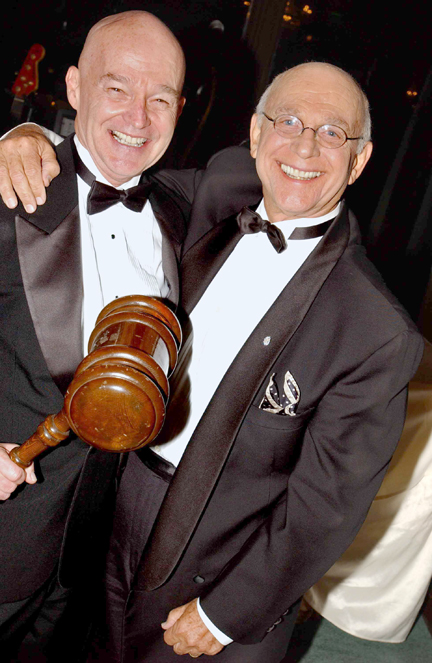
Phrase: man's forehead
(130, 67)
(126, 43)
(331, 97)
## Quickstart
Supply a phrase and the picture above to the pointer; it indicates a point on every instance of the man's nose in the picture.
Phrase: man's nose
(137, 114)
(306, 145)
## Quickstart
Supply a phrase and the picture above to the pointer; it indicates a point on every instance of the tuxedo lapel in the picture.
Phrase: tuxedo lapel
(209, 447)
(49, 253)
(50, 263)
(171, 219)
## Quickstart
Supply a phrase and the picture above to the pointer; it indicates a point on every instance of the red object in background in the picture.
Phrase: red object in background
(28, 80)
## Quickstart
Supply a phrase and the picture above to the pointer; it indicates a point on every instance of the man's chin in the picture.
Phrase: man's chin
(118, 172)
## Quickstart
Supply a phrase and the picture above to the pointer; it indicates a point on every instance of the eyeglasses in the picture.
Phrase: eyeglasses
(328, 135)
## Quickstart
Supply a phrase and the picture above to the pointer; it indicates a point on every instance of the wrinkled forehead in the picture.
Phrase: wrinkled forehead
(317, 94)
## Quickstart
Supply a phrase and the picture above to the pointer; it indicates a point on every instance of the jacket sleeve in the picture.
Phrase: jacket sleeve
(228, 183)
(184, 182)
(346, 449)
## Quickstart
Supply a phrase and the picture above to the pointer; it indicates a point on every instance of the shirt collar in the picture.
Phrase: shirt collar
(288, 225)
(90, 164)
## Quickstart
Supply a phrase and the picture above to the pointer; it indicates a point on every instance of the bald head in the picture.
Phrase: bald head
(322, 75)
(133, 26)
(127, 93)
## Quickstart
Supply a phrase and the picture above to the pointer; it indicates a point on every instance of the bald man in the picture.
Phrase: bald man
(60, 266)
(297, 395)
(296, 389)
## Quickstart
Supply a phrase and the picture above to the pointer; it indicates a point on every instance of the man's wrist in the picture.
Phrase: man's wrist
(54, 138)
(27, 124)
(217, 633)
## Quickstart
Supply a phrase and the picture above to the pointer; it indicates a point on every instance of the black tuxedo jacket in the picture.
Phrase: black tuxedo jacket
(261, 505)
(40, 348)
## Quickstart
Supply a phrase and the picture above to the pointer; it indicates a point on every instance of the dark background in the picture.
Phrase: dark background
(385, 47)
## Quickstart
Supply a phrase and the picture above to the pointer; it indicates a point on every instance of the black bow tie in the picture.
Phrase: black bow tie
(102, 196)
(251, 222)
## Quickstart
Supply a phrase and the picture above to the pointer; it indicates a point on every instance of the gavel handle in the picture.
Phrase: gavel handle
(49, 433)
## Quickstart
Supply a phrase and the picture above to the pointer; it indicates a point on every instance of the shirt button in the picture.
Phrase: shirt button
(267, 340)
(199, 580)
(112, 236)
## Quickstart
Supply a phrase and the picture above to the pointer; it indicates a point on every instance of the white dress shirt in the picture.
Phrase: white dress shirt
(121, 251)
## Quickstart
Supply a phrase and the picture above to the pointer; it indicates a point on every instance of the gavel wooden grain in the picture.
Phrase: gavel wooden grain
(117, 398)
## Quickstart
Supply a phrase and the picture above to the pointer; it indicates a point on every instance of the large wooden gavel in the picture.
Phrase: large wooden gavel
(117, 398)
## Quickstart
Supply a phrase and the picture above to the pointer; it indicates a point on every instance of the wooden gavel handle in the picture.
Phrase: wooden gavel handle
(49, 433)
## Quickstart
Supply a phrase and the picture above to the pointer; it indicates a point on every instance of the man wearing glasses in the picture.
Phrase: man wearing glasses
(298, 388)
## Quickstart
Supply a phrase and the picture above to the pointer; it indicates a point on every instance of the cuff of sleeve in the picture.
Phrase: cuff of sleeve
(50, 135)
(55, 139)
(221, 637)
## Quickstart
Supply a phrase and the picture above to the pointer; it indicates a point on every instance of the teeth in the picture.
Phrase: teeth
(299, 174)
(124, 139)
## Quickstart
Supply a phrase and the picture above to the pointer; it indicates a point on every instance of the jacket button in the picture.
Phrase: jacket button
(199, 580)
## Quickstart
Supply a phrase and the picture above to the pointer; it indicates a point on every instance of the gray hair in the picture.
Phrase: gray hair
(366, 129)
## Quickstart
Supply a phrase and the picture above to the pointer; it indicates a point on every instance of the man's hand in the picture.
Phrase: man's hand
(11, 475)
(27, 165)
(187, 634)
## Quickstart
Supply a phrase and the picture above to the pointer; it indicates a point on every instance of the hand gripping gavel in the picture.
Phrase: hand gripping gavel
(117, 398)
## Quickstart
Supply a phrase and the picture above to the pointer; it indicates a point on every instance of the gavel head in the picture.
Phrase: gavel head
(117, 399)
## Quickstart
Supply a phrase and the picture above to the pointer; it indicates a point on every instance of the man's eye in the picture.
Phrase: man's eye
(332, 132)
(162, 101)
(287, 122)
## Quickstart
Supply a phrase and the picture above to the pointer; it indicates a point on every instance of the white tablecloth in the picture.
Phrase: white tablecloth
(377, 587)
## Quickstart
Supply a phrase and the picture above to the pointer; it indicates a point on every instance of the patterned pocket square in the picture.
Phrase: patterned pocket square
(284, 404)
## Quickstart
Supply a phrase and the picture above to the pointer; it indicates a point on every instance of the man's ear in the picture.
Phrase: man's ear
(180, 107)
(255, 132)
(360, 161)
(72, 86)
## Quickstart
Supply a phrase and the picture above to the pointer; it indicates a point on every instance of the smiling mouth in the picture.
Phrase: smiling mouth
(296, 174)
(130, 141)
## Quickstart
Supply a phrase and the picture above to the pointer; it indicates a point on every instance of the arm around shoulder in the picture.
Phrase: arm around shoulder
(27, 165)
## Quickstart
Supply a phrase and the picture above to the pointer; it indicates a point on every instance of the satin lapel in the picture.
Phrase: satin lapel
(50, 260)
(209, 447)
(171, 218)
(51, 273)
